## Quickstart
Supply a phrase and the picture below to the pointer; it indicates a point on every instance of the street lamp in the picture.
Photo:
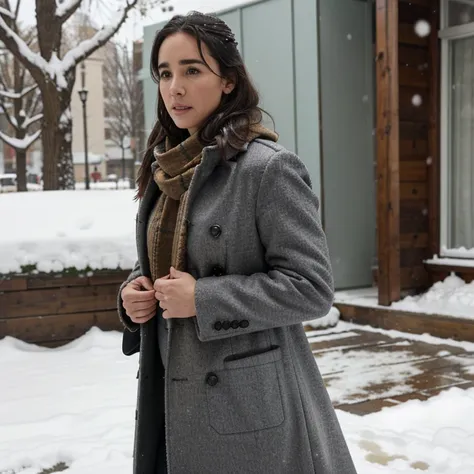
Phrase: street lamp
(125, 146)
(83, 96)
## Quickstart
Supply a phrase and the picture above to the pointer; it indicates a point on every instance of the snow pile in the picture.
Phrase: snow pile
(434, 436)
(331, 319)
(460, 252)
(75, 405)
(457, 262)
(450, 297)
(55, 230)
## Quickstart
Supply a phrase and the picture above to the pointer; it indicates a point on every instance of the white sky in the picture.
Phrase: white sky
(133, 28)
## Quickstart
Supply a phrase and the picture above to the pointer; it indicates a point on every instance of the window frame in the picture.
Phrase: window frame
(447, 34)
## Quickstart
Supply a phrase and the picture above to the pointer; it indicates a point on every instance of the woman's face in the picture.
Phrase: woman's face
(190, 91)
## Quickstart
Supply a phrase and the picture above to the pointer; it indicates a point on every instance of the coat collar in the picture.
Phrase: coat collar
(210, 159)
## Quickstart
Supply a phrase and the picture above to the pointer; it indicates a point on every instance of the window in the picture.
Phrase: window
(459, 12)
(457, 129)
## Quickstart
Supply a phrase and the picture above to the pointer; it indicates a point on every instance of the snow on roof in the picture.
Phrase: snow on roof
(78, 158)
(115, 153)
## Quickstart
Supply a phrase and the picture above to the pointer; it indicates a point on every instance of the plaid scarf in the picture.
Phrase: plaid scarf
(173, 172)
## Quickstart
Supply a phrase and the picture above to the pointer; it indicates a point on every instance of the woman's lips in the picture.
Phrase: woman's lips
(181, 109)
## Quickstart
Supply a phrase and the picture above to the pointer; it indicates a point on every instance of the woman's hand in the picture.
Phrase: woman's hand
(139, 300)
(175, 292)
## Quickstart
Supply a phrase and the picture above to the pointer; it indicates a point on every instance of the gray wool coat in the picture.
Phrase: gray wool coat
(242, 391)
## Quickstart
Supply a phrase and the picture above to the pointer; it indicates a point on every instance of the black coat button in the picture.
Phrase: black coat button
(244, 323)
(226, 325)
(217, 325)
(212, 379)
(234, 324)
(218, 271)
(215, 230)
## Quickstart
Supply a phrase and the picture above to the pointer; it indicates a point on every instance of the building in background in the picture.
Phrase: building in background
(97, 163)
(94, 106)
(124, 154)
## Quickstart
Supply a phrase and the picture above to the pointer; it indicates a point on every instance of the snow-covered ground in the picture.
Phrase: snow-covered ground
(75, 405)
(104, 185)
(450, 297)
(96, 229)
(59, 229)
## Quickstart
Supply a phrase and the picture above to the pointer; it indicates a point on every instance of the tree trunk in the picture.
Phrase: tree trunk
(58, 168)
(21, 170)
(50, 136)
(66, 165)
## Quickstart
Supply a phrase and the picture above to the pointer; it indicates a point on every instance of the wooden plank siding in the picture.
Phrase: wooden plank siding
(53, 310)
(433, 179)
(387, 138)
(460, 329)
(439, 272)
(419, 132)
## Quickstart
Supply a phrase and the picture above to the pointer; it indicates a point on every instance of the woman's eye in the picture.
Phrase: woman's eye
(192, 71)
(164, 74)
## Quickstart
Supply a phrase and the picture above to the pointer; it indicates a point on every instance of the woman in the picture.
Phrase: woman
(231, 260)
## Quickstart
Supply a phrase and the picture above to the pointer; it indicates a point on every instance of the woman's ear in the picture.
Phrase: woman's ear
(228, 85)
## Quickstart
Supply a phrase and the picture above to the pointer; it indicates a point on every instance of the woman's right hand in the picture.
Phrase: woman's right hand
(139, 300)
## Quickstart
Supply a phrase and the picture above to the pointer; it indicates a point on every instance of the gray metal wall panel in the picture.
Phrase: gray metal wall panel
(233, 19)
(268, 56)
(348, 143)
(150, 89)
(307, 88)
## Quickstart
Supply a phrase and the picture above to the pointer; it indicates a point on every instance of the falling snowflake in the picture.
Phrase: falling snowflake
(416, 100)
(422, 28)
(365, 98)
(429, 160)
(349, 36)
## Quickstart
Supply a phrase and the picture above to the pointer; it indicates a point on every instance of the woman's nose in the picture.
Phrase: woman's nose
(177, 88)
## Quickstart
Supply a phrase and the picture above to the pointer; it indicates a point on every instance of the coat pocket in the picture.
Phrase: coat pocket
(246, 395)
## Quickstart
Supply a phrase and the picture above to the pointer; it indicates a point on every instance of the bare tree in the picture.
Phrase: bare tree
(124, 110)
(54, 71)
(19, 102)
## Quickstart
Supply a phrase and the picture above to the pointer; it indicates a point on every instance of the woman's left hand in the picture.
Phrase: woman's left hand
(176, 294)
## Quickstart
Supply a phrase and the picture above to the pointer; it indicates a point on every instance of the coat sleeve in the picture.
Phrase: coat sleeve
(298, 285)
(126, 321)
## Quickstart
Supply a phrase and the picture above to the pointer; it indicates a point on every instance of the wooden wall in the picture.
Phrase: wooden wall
(419, 136)
(53, 310)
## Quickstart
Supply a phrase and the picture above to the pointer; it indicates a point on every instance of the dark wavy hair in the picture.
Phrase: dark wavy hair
(230, 123)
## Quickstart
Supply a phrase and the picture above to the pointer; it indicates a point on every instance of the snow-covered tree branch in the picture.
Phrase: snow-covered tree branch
(20, 144)
(11, 94)
(66, 8)
(31, 120)
(7, 13)
(18, 92)
(19, 48)
(89, 46)
(53, 67)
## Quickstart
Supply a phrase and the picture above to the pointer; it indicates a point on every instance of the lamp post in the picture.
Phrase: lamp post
(83, 96)
(125, 146)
